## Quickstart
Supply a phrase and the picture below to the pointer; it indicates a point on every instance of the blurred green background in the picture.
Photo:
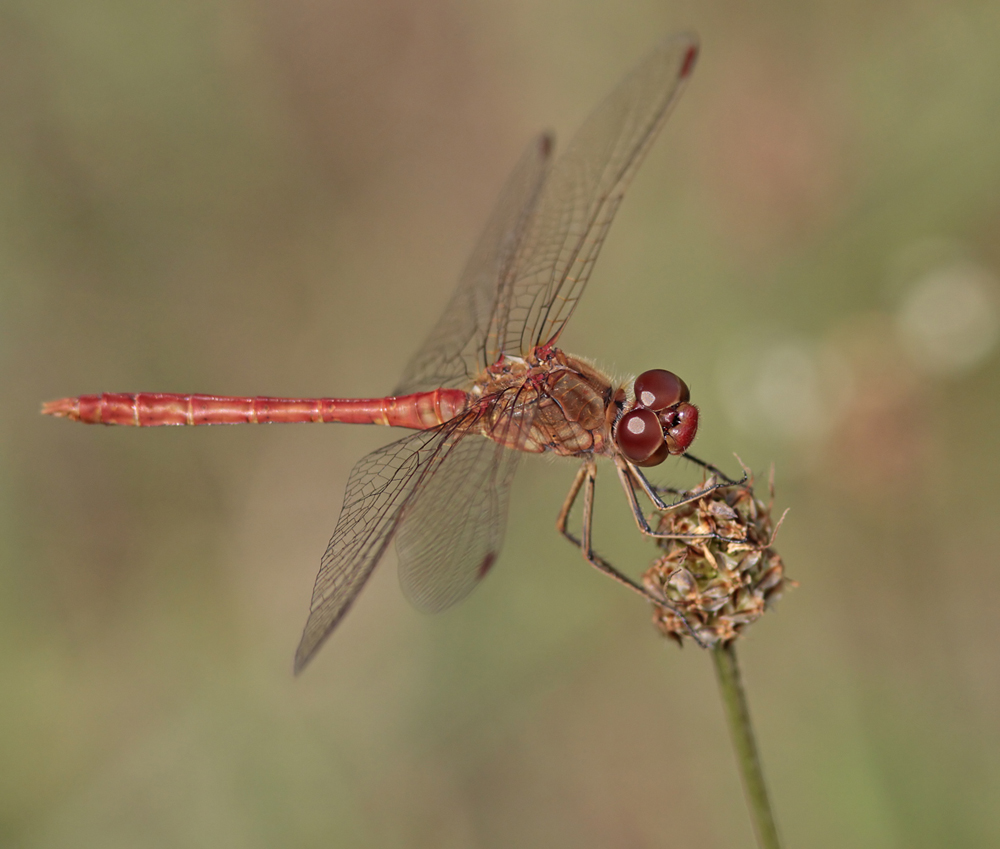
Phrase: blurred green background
(275, 198)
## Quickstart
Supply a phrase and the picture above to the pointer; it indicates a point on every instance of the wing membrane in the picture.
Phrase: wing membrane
(379, 487)
(581, 196)
(532, 263)
(445, 497)
(455, 351)
(451, 533)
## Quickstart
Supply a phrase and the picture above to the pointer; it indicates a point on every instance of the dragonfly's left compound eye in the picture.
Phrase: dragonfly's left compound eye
(639, 435)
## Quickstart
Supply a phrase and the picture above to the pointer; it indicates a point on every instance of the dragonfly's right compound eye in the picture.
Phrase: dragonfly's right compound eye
(640, 437)
(659, 389)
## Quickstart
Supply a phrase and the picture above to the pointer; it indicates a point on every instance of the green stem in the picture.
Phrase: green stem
(737, 713)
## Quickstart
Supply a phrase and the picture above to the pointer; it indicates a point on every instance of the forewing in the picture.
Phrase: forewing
(581, 195)
(455, 351)
(378, 490)
(451, 532)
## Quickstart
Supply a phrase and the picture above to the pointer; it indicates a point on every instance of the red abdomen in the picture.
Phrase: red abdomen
(149, 409)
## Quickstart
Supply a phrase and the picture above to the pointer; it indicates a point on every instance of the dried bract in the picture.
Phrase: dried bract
(719, 568)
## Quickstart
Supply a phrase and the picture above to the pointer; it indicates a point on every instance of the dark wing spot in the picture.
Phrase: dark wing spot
(487, 564)
(688, 65)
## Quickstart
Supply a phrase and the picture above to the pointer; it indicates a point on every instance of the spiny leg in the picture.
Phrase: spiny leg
(585, 479)
(653, 492)
(715, 470)
(629, 475)
(656, 491)
(574, 490)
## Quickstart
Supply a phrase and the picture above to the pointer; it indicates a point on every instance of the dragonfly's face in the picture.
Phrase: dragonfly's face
(661, 422)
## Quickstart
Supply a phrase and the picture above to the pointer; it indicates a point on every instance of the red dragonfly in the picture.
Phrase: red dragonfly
(490, 368)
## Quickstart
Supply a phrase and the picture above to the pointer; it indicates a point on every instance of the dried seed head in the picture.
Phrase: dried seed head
(723, 580)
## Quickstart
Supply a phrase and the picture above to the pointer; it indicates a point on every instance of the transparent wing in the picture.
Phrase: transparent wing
(517, 291)
(378, 490)
(529, 268)
(454, 352)
(580, 197)
(451, 533)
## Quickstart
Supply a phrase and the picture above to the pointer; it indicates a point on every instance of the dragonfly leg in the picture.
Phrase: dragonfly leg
(585, 479)
(715, 470)
(574, 491)
(653, 492)
(630, 476)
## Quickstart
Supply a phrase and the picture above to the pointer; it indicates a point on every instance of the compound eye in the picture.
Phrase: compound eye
(658, 389)
(639, 435)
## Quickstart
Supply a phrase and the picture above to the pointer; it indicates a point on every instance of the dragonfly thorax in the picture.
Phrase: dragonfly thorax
(550, 401)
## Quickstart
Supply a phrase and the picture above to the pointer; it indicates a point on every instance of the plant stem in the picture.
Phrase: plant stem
(738, 714)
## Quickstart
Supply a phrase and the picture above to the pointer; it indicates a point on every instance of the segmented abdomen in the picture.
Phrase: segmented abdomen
(149, 409)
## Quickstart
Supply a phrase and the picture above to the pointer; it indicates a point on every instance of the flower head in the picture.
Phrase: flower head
(718, 568)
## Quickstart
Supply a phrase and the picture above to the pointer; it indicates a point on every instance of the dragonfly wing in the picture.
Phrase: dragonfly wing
(532, 262)
(455, 351)
(581, 195)
(378, 491)
(451, 532)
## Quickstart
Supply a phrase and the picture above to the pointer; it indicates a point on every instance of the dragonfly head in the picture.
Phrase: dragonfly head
(660, 423)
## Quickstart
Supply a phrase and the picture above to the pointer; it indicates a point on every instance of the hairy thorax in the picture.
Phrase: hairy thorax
(551, 401)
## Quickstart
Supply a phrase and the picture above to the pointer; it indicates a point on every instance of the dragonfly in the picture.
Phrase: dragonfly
(489, 383)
